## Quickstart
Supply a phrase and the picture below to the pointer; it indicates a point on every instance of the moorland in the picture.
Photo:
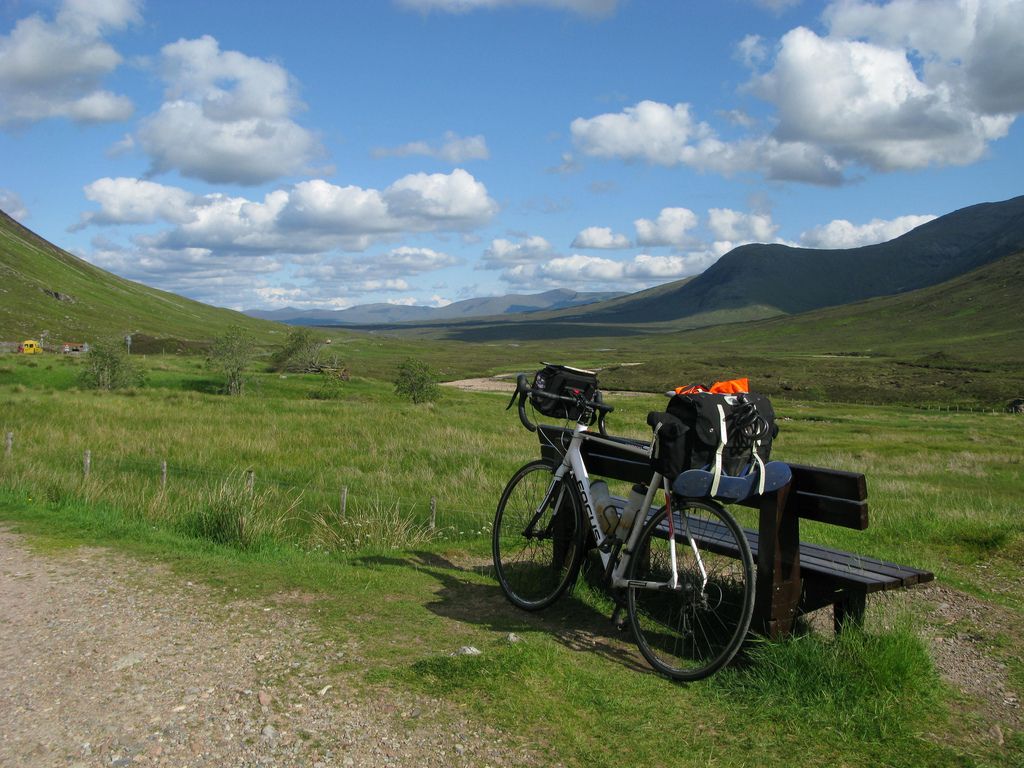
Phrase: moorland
(282, 489)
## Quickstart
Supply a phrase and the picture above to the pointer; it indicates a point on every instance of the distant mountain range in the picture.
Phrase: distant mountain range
(756, 281)
(376, 314)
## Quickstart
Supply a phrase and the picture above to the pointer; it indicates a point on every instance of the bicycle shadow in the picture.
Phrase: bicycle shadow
(570, 621)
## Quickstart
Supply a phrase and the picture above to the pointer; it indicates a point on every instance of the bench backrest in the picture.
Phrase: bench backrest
(825, 495)
(829, 496)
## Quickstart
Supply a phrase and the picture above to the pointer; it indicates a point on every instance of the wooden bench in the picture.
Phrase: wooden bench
(793, 577)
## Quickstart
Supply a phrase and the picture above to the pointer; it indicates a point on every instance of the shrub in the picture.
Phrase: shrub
(331, 385)
(230, 354)
(108, 366)
(300, 352)
(416, 381)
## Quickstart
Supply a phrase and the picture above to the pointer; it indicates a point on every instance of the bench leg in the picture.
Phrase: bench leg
(778, 566)
(849, 611)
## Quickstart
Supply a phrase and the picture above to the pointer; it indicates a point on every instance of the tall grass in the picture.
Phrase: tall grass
(944, 488)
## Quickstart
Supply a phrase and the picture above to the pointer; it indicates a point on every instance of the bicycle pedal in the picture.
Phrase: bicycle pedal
(619, 620)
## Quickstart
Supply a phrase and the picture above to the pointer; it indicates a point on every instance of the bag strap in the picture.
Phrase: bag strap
(722, 440)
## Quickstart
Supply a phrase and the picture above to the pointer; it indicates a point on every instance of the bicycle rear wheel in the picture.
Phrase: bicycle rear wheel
(537, 540)
(690, 632)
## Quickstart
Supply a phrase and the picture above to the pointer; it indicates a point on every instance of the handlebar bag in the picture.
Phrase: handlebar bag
(563, 381)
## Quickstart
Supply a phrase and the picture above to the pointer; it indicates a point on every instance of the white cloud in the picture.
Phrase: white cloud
(600, 237)
(972, 46)
(134, 201)
(670, 228)
(414, 261)
(230, 250)
(309, 217)
(648, 131)
(227, 117)
(568, 165)
(55, 68)
(12, 205)
(841, 233)
(598, 272)
(585, 7)
(891, 86)
(669, 135)
(865, 104)
(195, 272)
(752, 51)
(727, 224)
(456, 199)
(453, 149)
(504, 253)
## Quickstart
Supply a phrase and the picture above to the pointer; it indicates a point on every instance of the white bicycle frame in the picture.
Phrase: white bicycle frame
(573, 460)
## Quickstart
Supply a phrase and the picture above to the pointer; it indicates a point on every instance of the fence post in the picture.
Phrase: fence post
(433, 512)
(342, 501)
(86, 462)
(163, 475)
(9, 443)
(250, 481)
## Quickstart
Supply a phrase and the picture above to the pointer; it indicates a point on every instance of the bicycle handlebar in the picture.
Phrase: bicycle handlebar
(524, 390)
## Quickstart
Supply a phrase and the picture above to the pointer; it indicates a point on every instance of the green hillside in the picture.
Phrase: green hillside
(44, 288)
(958, 342)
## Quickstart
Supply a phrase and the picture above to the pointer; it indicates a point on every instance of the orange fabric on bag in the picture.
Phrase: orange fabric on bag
(731, 387)
(693, 389)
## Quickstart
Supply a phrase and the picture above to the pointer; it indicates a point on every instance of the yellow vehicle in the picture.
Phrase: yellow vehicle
(30, 347)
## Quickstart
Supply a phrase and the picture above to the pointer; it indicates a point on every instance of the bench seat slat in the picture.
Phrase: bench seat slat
(868, 573)
(840, 564)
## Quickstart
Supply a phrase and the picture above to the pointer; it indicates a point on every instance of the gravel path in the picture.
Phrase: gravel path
(110, 661)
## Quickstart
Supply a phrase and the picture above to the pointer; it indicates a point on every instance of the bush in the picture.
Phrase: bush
(230, 354)
(300, 353)
(331, 385)
(108, 366)
(416, 381)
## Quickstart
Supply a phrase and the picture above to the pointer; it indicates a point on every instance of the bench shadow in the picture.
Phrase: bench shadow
(570, 621)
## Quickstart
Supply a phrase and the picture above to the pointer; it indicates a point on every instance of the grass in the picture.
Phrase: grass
(944, 489)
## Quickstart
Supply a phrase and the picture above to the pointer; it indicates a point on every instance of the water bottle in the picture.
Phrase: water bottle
(607, 514)
(633, 504)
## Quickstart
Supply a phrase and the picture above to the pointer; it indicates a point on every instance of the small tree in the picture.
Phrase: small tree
(300, 353)
(230, 354)
(416, 381)
(107, 366)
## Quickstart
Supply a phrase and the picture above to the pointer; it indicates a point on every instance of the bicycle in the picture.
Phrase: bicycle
(682, 570)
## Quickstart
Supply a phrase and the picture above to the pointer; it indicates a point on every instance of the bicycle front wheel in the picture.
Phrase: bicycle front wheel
(538, 537)
(693, 630)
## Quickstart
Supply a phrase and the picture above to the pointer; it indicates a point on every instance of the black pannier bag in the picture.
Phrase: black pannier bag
(727, 432)
(670, 445)
(567, 382)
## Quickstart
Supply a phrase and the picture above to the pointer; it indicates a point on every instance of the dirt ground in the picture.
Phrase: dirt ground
(108, 661)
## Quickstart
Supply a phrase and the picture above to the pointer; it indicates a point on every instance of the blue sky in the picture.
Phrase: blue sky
(326, 154)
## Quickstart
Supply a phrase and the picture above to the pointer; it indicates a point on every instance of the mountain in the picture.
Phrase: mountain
(764, 280)
(377, 314)
(45, 288)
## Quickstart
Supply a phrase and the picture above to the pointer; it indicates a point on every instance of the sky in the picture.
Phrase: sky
(328, 154)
